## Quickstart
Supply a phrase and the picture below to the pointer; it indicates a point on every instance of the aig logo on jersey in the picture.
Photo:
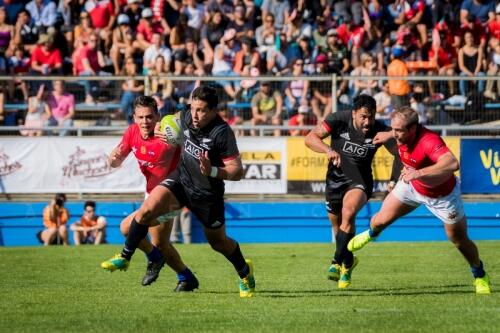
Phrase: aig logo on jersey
(192, 149)
(354, 149)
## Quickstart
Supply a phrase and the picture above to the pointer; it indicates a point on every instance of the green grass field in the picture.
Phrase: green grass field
(397, 287)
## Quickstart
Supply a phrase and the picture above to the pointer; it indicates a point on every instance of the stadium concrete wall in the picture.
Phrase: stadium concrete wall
(251, 222)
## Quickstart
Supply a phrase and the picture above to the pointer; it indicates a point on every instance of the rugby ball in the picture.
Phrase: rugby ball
(170, 126)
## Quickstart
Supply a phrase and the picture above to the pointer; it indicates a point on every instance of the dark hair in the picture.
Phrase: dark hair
(60, 199)
(24, 11)
(206, 94)
(365, 101)
(89, 204)
(246, 40)
(146, 101)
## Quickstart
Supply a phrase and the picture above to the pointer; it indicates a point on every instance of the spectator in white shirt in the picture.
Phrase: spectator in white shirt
(156, 48)
(43, 12)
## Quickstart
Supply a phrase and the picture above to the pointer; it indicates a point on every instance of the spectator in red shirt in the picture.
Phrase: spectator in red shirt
(494, 26)
(446, 59)
(46, 59)
(147, 26)
(88, 61)
(412, 15)
(353, 38)
(303, 118)
(103, 16)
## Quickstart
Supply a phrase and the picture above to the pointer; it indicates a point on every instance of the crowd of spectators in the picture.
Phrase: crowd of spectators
(262, 37)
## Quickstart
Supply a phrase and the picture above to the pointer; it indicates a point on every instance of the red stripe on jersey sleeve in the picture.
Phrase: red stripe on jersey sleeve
(230, 158)
(326, 127)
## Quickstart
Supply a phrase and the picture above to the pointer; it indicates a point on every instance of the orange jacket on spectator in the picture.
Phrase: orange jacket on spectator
(240, 60)
(88, 223)
(63, 217)
(397, 67)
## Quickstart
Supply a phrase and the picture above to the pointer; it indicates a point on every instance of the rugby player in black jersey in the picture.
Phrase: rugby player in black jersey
(209, 156)
(355, 137)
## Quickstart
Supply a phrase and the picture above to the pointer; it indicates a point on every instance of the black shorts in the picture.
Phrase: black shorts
(334, 195)
(209, 212)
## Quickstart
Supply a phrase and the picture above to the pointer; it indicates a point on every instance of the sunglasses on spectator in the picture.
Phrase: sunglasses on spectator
(89, 210)
(299, 63)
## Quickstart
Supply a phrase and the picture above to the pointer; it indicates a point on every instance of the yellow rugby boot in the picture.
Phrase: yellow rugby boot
(116, 262)
(247, 284)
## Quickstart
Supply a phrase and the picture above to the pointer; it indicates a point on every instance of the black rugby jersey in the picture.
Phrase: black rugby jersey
(356, 151)
(218, 139)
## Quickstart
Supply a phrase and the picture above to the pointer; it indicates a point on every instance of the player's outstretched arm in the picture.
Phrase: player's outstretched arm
(117, 156)
(314, 141)
(383, 138)
(232, 170)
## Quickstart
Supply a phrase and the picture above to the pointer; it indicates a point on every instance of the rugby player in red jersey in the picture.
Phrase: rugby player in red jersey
(428, 179)
(156, 160)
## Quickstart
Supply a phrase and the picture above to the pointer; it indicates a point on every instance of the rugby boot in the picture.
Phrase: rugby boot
(247, 284)
(345, 274)
(153, 271)
(187, 285)
(482, 285)
(333, 272)
(116, 262)
(359, 241)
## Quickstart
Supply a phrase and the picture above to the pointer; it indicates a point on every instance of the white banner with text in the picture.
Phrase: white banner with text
(264, 162)
(69, 165)
(79, 165)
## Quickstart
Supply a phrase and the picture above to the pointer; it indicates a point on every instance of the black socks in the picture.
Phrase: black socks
(236, 258)
(342, 254)
(136, 234)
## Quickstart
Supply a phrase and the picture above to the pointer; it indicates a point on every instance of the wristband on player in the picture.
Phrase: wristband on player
(214, 172)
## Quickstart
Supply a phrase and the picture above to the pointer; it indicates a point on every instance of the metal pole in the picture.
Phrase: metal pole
(147, 85)
(334, 93)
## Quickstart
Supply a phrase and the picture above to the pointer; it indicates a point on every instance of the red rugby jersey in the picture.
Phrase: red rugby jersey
(156, 159)
(425, 151)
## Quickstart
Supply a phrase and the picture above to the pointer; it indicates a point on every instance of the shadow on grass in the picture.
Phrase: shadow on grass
(452, 289)
(410, 291)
